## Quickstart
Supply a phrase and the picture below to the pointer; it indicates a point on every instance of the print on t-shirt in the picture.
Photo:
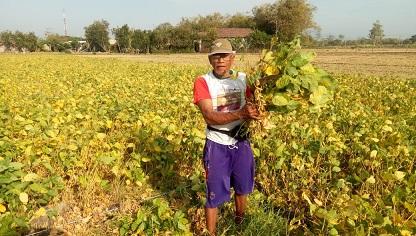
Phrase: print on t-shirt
(228, 101)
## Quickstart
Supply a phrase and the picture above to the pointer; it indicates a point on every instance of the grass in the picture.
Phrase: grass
(260, 219)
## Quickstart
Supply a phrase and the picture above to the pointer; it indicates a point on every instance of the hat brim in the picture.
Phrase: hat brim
(221, 51)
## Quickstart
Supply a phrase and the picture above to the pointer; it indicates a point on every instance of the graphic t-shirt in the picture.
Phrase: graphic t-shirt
(226, 95)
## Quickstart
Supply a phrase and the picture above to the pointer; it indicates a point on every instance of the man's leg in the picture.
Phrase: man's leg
(211, 215)
(242, 178)
(217, 174)
(240, 207)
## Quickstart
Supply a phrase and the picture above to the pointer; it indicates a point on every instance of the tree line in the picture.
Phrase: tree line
(284, 19)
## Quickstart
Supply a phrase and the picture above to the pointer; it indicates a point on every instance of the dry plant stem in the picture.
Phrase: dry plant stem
(259, 103)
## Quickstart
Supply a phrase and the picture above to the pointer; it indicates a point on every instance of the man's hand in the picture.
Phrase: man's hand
(249, 111)
(212, 117)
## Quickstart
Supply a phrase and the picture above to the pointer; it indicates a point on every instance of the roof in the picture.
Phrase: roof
(233, 32)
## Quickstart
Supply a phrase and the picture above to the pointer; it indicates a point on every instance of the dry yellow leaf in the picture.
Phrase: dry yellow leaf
(40, 212)
(2, 208)
(24, 197)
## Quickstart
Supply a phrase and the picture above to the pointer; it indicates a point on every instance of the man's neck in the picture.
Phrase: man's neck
(225, 76)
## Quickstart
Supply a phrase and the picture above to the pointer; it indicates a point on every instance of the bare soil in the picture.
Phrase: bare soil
(399, 62)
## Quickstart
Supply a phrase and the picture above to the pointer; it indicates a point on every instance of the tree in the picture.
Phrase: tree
(331, 40)
(7, 38)
(162, 36)
(259, 39)
(74, 42)
(183, 38)
(209, 22)
(413, 39)
(240, 20)
(19, 40)
(205, 27)
(285, 18)
(186, 36)
(123, 36)
(97, 37)
(376, 33)
(264, 18)
(205, 23)
(141, 40)
(31, 41)
(342, 38)
(57, 43)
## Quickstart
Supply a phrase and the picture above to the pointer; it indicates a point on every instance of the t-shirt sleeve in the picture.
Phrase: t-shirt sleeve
(249, 93)
(201, 90)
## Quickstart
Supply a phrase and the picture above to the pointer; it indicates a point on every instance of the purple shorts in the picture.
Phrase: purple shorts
(227, 166)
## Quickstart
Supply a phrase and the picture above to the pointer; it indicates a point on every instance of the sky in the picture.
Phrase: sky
(351, 18)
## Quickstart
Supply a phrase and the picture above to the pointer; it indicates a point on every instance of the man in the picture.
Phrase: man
(228, 159)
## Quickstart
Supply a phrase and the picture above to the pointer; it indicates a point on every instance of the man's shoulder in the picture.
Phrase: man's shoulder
(241, 74)
(202, 77)
(200, 83)
(199, 80)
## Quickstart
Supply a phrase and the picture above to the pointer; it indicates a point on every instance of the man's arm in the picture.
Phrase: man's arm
(219, 118)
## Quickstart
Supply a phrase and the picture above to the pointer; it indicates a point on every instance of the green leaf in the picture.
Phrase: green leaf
(72, 147)
(320, 96)
(146, 159)
(30, 177)
(256, 152)
(280, 163)
(3, 166)
(336, 169)
(29, 127)
(309, 83)
(302, 59)
(293, 105)
(279, 100)
(332, 217)
(292, 71)
(6, 179)
(333, 232)
(410, 207)
(20, 222)
(16, 165)
(307, 69)
(327, 81)
(52, 133)
(283, 81)
(107, 159)
(38, 188)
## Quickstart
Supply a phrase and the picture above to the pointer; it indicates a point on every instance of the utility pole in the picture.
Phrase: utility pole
(63, 14)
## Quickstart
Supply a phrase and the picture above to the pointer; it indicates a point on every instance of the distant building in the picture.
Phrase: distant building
(112, 41)
(3, 48)
(46, 48)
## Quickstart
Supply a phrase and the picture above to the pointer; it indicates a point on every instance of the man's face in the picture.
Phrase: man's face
(221, 63)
